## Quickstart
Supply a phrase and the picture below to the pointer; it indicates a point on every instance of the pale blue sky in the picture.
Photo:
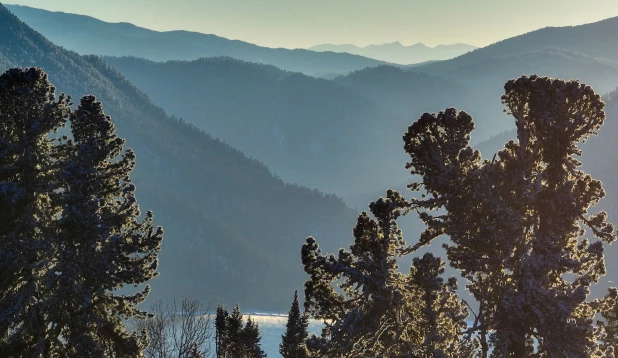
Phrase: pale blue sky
(303, 23)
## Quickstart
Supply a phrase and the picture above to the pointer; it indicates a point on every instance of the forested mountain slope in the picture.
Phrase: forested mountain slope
(87, 35)
(227, 218)
(310, 131)
(408, 94)
(475, 87)
(597, 40)
(474, 81)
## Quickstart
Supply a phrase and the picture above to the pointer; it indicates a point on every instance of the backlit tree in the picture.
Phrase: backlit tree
(520, 227)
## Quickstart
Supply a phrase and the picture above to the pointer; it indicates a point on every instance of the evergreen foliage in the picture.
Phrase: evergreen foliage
(29, 112)
(381, 312)
(293, 342)
(70, 235)
(517, 222)
(235, 344)
(609, 326)
(235, 339)
(250, 337)
(221, 334)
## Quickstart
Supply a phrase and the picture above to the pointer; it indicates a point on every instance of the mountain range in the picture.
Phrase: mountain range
(396, 52)
(475, 87)
(309, 131)
(595, 40)
(227, 218)
(87, 35)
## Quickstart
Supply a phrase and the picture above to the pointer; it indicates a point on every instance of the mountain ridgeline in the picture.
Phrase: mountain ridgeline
(122, 39)
(309, 131)
(323, 128)
(469, 81)
(596, 40)
(396, 52)
(565, 52)
(472, 86)
(226, 217)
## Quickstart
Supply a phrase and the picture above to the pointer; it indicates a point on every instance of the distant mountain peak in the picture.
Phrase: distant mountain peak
(396, 43)
(396, 52)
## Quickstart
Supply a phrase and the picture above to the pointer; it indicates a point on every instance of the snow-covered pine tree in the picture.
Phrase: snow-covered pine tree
(29, 112)
(381, 312)
(517, 222)
(250, 337)
(102, 246)
(293, 341)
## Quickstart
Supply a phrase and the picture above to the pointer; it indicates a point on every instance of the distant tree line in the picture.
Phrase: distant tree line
(236, 338)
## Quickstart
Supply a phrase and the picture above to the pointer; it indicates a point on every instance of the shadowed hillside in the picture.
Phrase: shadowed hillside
(309, 131)
(226, 217)
(475, 87)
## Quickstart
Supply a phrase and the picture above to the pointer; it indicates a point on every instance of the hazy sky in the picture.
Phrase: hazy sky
(304, 23)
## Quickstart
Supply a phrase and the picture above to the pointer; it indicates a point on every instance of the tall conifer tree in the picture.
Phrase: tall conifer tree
(293, 342)
(69, 234)
(29, 113)
(517, 222)
(234, 328)
(251, 340)
(221, 333)
(381, 311)
(102, 244)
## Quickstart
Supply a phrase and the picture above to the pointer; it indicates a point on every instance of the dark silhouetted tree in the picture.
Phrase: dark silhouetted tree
(517, 222)
(221, 339)
(381, 311)
(102, 244)
(293, 342)
(234, 327)
(73, 238)
(235, 338)
(29, 113)
(250, 337)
